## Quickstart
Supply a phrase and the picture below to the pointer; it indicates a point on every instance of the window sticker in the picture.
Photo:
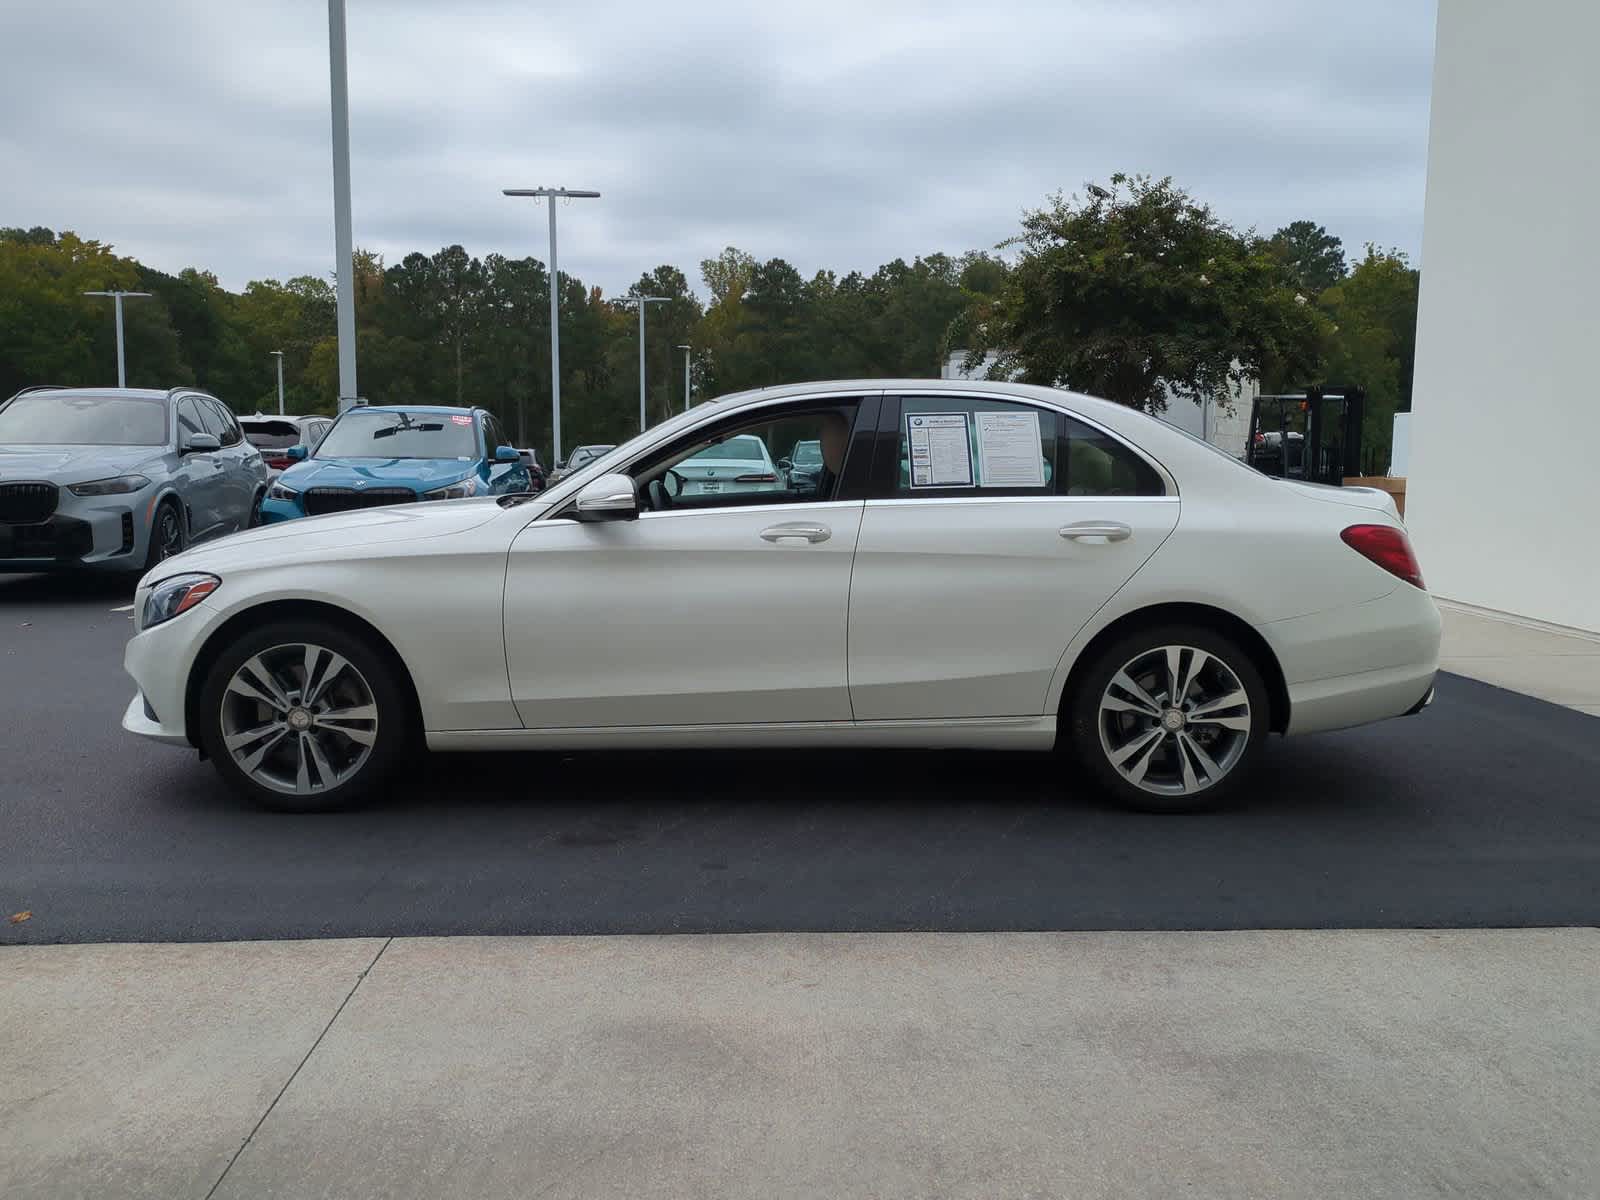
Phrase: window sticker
(940, 449)
(462, 420)
(1008, 449)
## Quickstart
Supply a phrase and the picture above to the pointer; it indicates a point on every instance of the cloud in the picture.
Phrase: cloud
(836, 135)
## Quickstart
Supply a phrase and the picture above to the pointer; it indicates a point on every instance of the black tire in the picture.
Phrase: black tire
(1092, 743)
(375, 670)
(255, 511)
(165, 522)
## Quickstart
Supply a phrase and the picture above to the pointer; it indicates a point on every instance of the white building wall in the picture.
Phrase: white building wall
(1503, 496)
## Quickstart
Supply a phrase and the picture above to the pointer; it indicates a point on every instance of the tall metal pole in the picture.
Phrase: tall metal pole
(641, 301)
(550, 194)
(344, 251)
(686, 353)
(122, 370)
(555, 340)
(122, 366)
(278, 354)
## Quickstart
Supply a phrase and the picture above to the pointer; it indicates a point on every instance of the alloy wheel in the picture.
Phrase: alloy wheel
(1174, 720)
(299, 719)
(169, 533)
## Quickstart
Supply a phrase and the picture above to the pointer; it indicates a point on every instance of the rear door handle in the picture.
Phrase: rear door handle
(797, 529)
(1112, 531)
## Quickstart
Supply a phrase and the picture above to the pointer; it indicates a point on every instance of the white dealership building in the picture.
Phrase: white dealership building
(1503, 496)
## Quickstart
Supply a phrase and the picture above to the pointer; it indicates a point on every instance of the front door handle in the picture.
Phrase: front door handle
(1112, 531)
(797, 529)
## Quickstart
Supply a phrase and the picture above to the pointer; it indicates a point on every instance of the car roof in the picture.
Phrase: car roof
(109, 392)
(441, 409)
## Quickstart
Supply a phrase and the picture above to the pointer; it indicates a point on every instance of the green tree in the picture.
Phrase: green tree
(1313, 255)
(1137, 292)
(1373, 312)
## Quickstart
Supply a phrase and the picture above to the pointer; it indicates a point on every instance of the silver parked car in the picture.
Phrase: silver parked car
(116, 479)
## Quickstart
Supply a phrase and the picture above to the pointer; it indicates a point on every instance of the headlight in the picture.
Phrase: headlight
(120, 485)
(458, 490)
(278, 492)
(176, 595)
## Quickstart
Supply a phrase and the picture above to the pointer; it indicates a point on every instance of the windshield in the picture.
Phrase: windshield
(374, 434)
(66, 419)
(744, 448)
(585, 454)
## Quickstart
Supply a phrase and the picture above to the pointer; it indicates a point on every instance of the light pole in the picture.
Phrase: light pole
(122, 371)
(550, 194)
(278, 354)
(344, 273)
(686, 353)
(642, 301)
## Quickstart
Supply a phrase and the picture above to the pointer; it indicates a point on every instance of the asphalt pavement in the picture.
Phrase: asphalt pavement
(1482, 811)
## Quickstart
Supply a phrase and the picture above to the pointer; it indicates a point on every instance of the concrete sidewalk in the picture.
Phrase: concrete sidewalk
(885, 1065)
(1547, 661)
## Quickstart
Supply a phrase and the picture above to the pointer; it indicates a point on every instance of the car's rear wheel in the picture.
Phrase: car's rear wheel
(166, 534)
(1169, 719)
(304, 716)
(255, 511)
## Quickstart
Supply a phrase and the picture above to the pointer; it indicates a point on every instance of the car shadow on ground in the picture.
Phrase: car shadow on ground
(66, 588)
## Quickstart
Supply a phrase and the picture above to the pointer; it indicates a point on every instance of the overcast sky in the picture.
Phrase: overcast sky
(836, 135)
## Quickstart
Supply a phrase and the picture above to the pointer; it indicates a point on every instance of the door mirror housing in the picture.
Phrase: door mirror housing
(609, 498)
(506, 454)
(298, 453)
(201, 443)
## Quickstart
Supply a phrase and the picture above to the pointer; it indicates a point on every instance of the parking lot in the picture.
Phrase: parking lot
(1479, 812)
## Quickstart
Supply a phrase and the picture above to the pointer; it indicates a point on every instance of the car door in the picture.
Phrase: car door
(240, 472)
(726, 610)
(978, 558)
(201, 476)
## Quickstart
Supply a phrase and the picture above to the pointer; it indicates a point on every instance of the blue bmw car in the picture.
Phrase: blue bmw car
(398, 455)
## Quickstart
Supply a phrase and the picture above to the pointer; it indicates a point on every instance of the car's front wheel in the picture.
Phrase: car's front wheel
(304, 716)
(1169, 719)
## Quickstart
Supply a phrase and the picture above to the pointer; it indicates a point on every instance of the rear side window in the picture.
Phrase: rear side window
(954, 445)
(1096, 464)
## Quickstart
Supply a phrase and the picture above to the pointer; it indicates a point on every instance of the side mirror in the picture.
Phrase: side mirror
(506, 454)
(201, 443)
(786, 464)
(609, 498)
(297, 453)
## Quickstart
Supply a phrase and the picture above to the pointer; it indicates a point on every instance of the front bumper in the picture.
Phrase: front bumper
(160, 661)
(274, 511)
(140, 719)
(108, 533)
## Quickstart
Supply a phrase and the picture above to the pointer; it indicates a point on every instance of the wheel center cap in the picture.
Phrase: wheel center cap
(1172, 720)
(299, 720)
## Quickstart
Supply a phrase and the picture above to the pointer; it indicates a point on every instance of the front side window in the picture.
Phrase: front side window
(736, 465)
(71, 419)
(217, 421)
(190, 422)
(369, 433)
(954, 445)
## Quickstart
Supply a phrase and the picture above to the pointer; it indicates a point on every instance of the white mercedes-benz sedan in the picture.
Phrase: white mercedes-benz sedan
(977, 565)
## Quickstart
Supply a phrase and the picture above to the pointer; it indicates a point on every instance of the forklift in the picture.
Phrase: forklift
(1313, 436)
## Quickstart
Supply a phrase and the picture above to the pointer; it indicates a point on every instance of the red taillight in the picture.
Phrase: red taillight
(755, 479)
(280, 464)
(1388, 547)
